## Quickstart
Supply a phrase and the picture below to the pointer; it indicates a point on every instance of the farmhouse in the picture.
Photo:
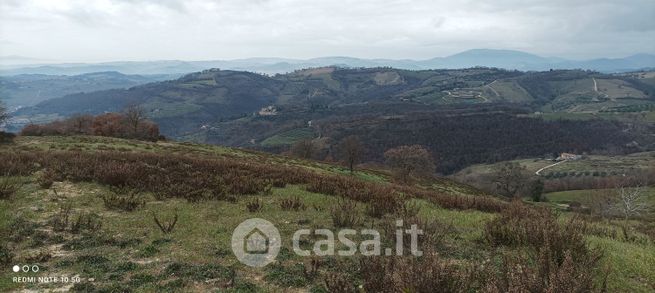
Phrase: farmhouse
(568, 156)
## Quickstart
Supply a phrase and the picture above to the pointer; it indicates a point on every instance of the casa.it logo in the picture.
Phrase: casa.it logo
(256, 242)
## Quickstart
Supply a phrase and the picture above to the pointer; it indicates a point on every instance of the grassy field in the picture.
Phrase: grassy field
(129, 251)
(289, 137)
(587, 166)
(587, 196)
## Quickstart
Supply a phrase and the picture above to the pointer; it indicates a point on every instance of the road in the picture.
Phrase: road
(551, 165)
(596, 89)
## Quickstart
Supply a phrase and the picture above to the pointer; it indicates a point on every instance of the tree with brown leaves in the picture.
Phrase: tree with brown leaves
(350, 150)
(408, 161)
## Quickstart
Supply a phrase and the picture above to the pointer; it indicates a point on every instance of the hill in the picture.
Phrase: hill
(267, 112)
(85, 207)
(30, 89)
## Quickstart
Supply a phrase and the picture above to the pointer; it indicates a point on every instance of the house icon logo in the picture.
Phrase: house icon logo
(256, 242)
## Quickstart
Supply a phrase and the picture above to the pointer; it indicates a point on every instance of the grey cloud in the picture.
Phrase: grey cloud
(222, 29)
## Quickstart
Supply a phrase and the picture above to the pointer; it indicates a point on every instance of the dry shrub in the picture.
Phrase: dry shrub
(370, 191)
(18, 163)
(561, 260)
(46, 178)
(517, 275)
(339, 283)
(254, 206)
(61, 220)
(294, 204)
(165, 227)
(387, 203)
(455, 202)
(90, 222)
(203, 178)
(416, 274)
(124, 199)
(434, 232)
(409, 209)
(345, 214)
(8, 186)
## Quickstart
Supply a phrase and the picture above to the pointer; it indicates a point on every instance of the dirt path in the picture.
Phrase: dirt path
(596, 90)
(494, 90)
(551, 165)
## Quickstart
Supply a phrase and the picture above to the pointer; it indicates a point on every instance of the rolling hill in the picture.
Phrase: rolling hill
(30, 89)
(269, 112)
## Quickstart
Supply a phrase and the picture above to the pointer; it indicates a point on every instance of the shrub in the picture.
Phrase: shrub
(345, 214)
(562, 261)
(46, 178)
(165, 227)
(409, 209)
(254, 206)
(61, 220)
(339, 283)
(6, 137)
(294, 204)
(6, 256)
(291, 276)
(415, 274)
(434, 231)
(90, 222)
(125, 199)
(8, 186)
(385, 204)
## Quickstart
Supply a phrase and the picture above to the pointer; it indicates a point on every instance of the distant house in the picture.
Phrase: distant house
(268, 111)
(568, 156)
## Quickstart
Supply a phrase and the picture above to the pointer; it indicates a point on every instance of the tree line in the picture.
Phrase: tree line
(132, 123)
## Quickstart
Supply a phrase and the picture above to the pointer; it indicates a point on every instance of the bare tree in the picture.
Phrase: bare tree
(350, 149)
(304, 149)
(632, 201)
(510, 179)
(408, 161)
(134, 115)
(602, 202)
(81, 123)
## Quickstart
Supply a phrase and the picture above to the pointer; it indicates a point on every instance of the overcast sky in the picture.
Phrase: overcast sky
(107, 30)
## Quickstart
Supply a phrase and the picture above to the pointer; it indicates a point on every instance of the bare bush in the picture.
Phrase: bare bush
(254, 206)
(294, 204)
(124, 199)
(8, 186)
(345, 214)
(165, 227)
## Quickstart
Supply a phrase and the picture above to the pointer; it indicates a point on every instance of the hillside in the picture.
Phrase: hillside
(30, 89)
(84, 207)
(271, 113)
(212, 96)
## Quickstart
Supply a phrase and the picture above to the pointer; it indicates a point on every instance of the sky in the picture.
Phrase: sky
(112, 30)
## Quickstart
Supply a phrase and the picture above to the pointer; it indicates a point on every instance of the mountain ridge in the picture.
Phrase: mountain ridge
(505, 59)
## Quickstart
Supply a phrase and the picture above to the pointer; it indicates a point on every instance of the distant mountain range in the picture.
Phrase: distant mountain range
(506, 59)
